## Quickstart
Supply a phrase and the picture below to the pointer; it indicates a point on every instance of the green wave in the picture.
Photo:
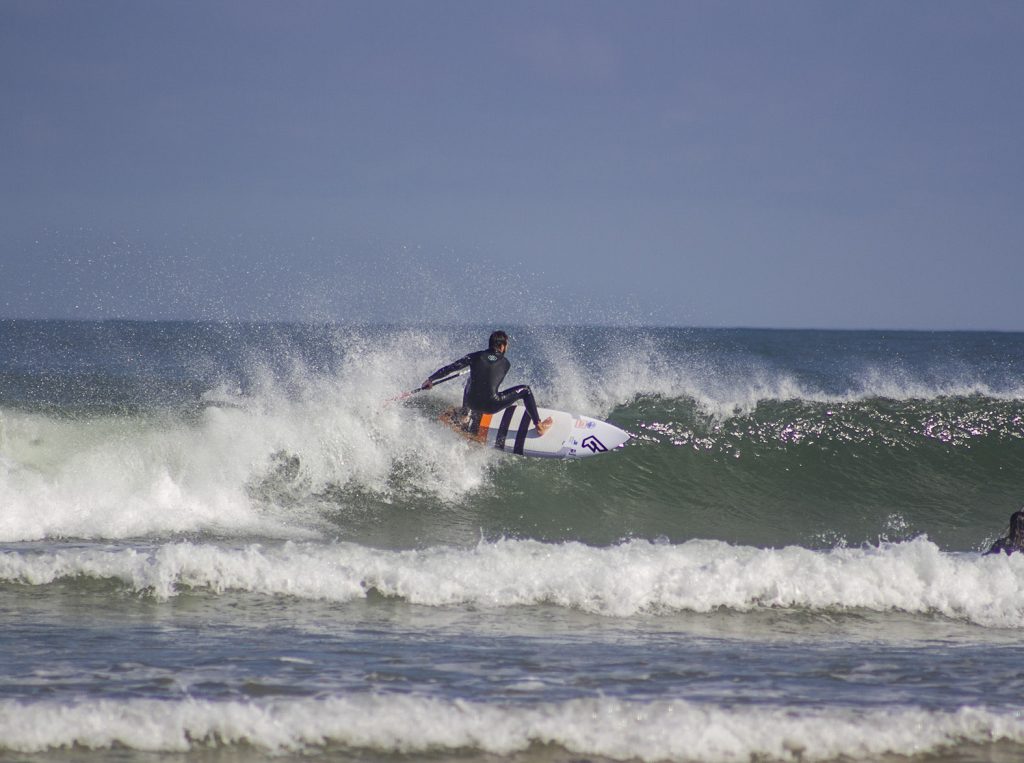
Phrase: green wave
(795, 472)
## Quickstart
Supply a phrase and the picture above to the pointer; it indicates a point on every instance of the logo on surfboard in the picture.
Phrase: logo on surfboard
(594, 445)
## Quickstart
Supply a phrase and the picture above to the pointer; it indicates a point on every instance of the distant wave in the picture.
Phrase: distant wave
(725, 379)
(631, 578)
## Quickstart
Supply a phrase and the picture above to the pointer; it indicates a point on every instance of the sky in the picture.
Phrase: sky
(758, 164)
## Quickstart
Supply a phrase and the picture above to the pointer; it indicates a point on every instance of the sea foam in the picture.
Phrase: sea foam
(617, 729)
(122, 476)
(634, 577)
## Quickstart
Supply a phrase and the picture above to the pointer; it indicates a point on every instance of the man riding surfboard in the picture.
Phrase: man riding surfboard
(487, 369)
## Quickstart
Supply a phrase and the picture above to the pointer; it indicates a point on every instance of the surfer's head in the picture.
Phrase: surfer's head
(498, 342)
(1017, 527)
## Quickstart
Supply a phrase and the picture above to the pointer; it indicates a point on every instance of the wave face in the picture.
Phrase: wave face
(767, 438)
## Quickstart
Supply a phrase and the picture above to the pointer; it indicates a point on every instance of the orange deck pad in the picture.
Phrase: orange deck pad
(485, 423)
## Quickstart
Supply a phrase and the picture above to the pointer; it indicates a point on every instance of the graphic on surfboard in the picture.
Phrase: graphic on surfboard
(510, 430)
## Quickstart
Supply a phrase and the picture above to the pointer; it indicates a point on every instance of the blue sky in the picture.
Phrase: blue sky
(795, 164)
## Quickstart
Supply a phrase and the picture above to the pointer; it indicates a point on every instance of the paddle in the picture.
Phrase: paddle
(424, 389)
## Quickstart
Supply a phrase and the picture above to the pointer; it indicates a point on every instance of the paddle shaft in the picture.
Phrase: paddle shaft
(423, 389)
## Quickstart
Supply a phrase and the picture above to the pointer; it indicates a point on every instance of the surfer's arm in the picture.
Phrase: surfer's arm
(458, 365)
(1001, 546)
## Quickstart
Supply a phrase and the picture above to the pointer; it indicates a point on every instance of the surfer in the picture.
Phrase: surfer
(1014, 540)
(487, 369)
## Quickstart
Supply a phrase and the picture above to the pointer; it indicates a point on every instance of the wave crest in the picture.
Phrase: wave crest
(635, 577)
(612, 728)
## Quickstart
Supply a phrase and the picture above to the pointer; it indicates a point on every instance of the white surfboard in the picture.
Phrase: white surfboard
(511, 430)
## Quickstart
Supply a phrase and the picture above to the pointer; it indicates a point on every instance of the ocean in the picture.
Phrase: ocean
(226, 542)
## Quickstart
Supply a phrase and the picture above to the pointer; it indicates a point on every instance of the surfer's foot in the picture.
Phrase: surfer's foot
(544, 426)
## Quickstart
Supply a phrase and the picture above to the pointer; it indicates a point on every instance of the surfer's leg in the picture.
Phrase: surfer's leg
(464, 413)
(522, 392)
(531, 407)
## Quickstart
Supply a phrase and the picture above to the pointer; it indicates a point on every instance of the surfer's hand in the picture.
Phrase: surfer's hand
(427, 384)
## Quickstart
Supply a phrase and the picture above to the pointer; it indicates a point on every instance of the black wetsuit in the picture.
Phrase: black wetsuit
(487, 370)
(1004, 546)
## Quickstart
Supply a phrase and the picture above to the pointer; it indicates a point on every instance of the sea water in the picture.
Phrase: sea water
(227, 542)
